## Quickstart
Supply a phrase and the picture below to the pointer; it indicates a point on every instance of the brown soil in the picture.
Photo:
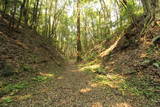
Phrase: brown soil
(74, 88)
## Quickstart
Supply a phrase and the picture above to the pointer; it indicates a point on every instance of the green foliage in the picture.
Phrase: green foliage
(151, 50)
(26, 68)
(91, 57)
(12, 88)
(100, 70)
(157, 64)
(40, 78)
(101, 79)
(7, 100)
(140, 87)
(88, 71)
(151, 62)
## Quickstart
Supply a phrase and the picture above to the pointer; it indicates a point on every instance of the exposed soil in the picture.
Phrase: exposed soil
(74, 88)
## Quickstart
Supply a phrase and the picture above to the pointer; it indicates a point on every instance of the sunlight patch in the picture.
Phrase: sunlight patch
(60, 77)
(94, 85)
(46, 74)
(122, 105)
(92, 67)
(143, 55)
(97, 104)
(85, 90)
(23, 97)
(111, 80)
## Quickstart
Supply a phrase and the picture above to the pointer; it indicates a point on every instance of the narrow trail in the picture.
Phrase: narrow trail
(73, 88)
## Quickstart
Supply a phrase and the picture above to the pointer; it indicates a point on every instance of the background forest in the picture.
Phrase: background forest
(57, 19)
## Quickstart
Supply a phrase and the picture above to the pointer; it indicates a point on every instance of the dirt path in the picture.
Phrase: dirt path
(74, 88)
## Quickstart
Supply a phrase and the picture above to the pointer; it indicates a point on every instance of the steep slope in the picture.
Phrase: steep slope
(25, 46)
(24, 54)
(136, 60)
(142, 54)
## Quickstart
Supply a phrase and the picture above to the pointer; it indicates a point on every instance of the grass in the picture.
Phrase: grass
(111, 80)
(131, 86)
(92, 67)
(40, 78)
(7, 100)
(8, 90)
(12, 88)
(135, 85)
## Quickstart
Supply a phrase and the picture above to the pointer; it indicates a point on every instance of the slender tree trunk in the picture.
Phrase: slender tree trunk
(79, 47)
(25, 12)
(35, 13)
(12, 19)
(21, 12)
(5, 7)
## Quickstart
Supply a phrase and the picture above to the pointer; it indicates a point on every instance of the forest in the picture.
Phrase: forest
(79, 53)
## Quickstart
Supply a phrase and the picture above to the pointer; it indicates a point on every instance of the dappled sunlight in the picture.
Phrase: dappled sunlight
(23, 97)
(60, 78)
(143, 55)
(94, 85)
(111, 80)
(74, 70)
(85, 90)
(91, 67)
(112, 62)
(109, 68)
(46, 74)
(97, 104)
(111, 48)
(121, 105)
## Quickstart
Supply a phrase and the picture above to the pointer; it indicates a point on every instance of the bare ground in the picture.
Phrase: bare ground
(74, 88)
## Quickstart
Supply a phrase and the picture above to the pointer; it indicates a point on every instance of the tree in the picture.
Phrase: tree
(150, 7)
(79, 47)
(21, 12)
(13, 13)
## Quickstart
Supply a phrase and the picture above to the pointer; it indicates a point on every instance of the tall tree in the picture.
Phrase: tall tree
(79, 47)
(21, 12)
(13, 13)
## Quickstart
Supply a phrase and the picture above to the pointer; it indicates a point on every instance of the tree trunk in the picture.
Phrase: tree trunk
(35, 13)
(79, 47)
(13, 12)
(21, 12)
(150, 7)
(25, 12)
(5, 7)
